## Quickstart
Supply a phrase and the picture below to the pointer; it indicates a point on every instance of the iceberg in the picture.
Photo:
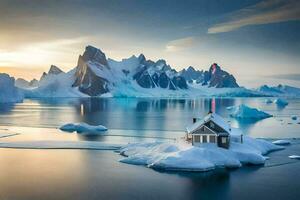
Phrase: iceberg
(282, 142)
(244, 112)
(8, 92)
(185, 157)
(281, 102)
(82, 127)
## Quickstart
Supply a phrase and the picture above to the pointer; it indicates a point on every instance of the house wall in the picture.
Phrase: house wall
(204, 138)
(223, 141)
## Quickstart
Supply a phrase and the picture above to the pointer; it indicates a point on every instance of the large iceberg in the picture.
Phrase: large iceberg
(184, 157)
(8, 92)
(244, 112)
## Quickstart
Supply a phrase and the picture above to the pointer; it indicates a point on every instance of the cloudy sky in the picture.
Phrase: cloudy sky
(256, 40)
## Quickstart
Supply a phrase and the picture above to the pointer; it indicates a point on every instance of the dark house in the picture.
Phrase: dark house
(212, 129)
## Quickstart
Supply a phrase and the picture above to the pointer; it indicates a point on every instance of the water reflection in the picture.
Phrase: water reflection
(6, 107)
(138, 113)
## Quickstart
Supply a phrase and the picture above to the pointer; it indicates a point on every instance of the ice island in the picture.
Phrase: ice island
(209, 143)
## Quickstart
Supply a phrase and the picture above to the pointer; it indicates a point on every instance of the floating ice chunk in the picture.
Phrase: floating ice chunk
(282, 142)
(294, 117)
(82, 127)
(295, 157)
(281, 102)
(268, 101)
(184, 157)
(244, 112)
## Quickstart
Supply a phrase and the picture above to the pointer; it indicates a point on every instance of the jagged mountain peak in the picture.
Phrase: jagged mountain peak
(142, 58)
(95, 55)
(54, 70)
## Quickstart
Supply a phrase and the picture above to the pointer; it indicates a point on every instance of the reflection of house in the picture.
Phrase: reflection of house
(212, 129)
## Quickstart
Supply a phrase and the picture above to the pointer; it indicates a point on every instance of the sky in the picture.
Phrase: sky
(255, 40)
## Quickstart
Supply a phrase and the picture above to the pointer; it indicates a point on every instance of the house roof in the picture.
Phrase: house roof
(217, 119)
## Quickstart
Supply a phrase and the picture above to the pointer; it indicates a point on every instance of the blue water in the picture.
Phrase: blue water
(149, 117)
(85, 174)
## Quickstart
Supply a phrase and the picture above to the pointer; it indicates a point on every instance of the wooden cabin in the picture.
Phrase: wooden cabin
(212, 129)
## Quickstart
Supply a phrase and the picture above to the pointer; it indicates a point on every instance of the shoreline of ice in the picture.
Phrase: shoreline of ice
(183, 157)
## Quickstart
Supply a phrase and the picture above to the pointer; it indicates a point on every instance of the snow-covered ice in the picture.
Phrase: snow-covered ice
(244, 112)
(185, 157)
(281, 102)
(53, 144)
(8, 92)
(82, 127)
(282, 142)
(295, 157)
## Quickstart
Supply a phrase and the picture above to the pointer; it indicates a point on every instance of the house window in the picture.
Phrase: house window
(212, 139)
(197, 138)
(204, 139)
(224, 140)
(212, 125)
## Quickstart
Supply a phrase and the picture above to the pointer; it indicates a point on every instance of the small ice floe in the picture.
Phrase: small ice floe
(184, 157)
(244, 112)
(268, 101)
(281, 102)
(82, 127)
(295, 157)
(282, 142)
(294, 117)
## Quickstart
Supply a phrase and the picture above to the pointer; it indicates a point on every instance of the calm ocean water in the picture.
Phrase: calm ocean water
(149, 117)
(85, 174)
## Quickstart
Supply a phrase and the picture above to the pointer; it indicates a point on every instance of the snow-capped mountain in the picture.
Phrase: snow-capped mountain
(96, 75)
(214, 77)
(53, 70)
